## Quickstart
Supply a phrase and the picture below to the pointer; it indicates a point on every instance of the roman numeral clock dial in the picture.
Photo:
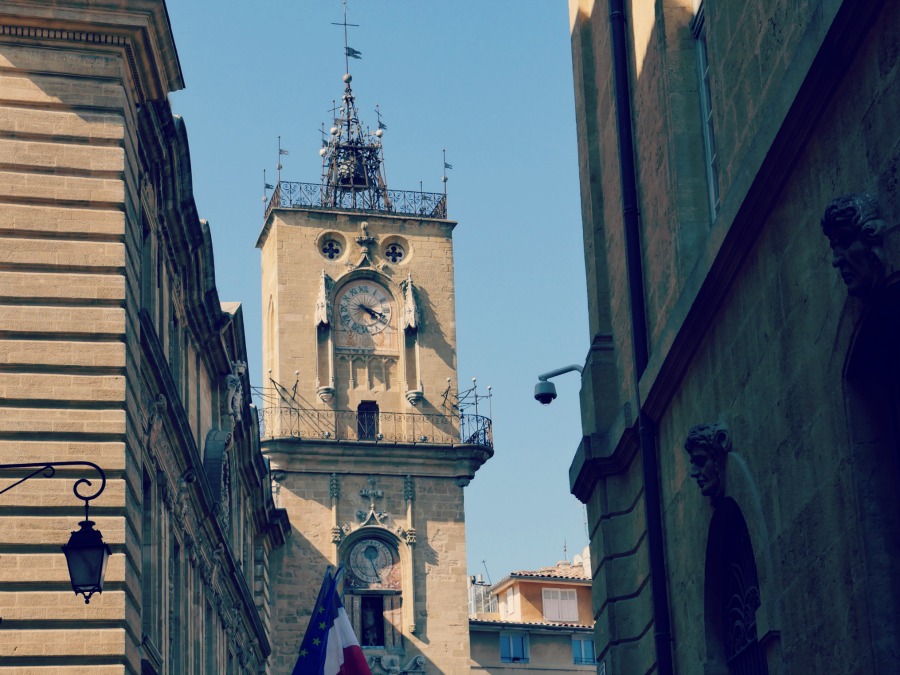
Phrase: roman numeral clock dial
(364, 312)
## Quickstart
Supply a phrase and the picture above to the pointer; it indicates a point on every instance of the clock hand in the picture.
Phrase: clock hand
(371, 312)
(377, 576)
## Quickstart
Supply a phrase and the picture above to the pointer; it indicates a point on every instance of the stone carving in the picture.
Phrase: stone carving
(410, 535)
(181, 498)
(336, 534)
(371, 493)
(323, 314)
(154, 421)
(235, 395)
(409, 489)
(383, 665)
(409, 320)
(855, 231)
(335, 487)
(365, 241)
(708, 446)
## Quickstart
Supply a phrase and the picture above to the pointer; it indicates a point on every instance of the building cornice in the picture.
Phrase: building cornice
(140, 27)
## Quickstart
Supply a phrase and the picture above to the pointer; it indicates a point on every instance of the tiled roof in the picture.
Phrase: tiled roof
(561, 570)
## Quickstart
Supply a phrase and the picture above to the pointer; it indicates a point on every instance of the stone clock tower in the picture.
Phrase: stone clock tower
(368, 448)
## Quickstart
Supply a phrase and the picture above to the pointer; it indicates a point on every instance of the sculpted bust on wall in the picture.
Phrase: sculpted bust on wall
(855, 232)
(708, 446)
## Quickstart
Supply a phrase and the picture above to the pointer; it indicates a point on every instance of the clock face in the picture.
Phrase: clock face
(371, 561)
(364, 317)
(364, 307)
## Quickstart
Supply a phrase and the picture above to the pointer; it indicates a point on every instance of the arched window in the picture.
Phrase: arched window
(732, 594)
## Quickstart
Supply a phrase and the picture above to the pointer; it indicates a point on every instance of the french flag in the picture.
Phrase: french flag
(330, 647)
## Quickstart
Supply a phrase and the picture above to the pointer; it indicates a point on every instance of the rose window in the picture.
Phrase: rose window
(394, 253)
(331, 249)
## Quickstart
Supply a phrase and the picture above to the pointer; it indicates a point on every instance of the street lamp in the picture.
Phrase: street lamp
(86, 553)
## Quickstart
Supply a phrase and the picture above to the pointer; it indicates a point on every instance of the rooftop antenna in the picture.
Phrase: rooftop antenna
(488, 574)
(565, 551)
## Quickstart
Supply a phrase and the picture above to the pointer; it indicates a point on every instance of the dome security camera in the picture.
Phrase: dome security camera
(544, 392)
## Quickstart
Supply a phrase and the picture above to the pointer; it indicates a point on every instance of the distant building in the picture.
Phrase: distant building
(540, 621)
(740, 182)
(115, 349)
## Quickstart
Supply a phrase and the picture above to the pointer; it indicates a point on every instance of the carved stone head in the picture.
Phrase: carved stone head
(708, 446)
(855, 231)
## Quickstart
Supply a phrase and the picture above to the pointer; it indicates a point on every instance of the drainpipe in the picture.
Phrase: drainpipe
(646, 432)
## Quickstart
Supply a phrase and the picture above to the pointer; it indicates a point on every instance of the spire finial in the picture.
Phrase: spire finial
(349, 52)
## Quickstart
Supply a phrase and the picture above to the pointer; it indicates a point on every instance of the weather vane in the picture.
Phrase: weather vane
(349, 52)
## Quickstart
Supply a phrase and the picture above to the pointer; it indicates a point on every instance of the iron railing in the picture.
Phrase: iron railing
(380, 427)
(289, 195)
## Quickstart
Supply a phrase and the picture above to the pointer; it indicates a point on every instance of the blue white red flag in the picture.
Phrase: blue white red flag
(330, 647)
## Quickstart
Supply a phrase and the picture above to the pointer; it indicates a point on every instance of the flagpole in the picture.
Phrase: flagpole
(279, 160)
(444, 178)
(346, 51)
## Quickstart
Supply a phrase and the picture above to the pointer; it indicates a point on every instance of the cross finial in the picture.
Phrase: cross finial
(347, 51)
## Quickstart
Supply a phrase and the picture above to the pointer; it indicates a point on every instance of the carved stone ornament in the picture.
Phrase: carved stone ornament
(384, 665)
(414, 396)
(365, 241)
(157, 409)
(410, 535)
(855, 231)
(234, 396)
(409, 489)
(323, 316)
(708, 446)
(409, 320)
(334, 486)
(371, 493)
(336, 534)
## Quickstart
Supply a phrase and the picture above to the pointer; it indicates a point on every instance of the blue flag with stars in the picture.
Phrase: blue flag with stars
(312, 650)
(330, 647)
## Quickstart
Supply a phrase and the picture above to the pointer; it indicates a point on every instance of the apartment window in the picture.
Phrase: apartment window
(560, 604)
(582, 650)
(698, 28)
(514, 647)
(509, 604)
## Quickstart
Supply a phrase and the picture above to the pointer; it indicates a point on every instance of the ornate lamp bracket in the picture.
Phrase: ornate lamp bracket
(48, 470)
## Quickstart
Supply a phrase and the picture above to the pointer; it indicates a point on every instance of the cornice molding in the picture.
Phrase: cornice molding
(140, 27)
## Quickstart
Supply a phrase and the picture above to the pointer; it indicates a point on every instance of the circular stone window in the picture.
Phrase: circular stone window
(331, 249)
(394, 252)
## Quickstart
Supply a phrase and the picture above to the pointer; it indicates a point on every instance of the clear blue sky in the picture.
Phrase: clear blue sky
(490, 81)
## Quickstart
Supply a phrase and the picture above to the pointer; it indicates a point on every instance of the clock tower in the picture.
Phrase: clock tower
(361, 423)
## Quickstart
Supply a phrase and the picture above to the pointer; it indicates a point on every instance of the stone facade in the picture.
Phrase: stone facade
(115, 349)
(363, 433)
(748, 329)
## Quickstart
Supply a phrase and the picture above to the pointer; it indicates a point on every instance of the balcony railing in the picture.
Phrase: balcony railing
(289, 195)
(379, 427)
